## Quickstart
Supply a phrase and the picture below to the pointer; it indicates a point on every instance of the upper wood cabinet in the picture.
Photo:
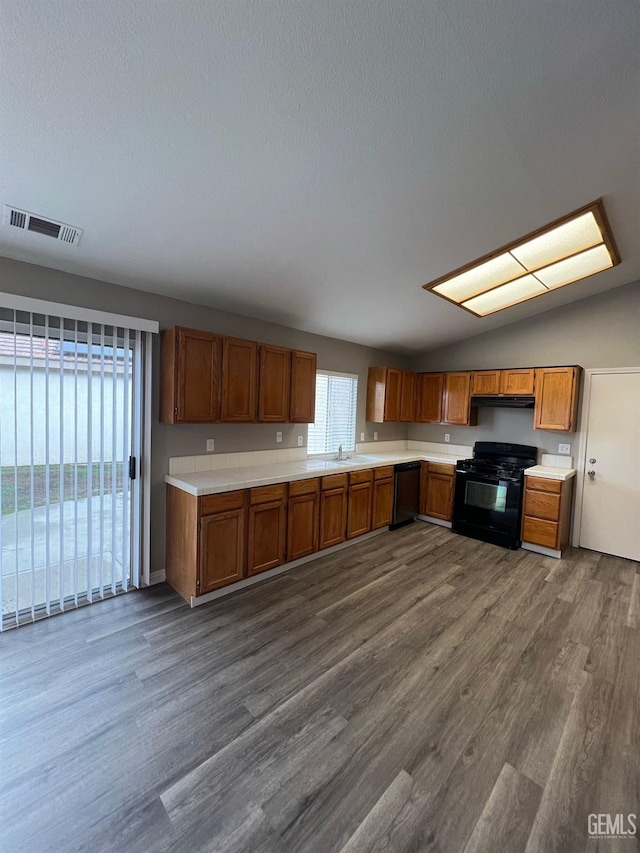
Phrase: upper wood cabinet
(556, 405)
(239, 380)
(430, 388)
(303, 387)
(518, 381)
(384, 390)
(190, 376)
(267, 528)
(485, 382)
(408, 397)
(274, 384)
(457, 399)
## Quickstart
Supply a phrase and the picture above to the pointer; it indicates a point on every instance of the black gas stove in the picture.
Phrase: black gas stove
(488, 493)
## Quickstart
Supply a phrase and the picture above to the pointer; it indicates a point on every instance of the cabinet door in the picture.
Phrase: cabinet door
(485, 382)
(274, 384)
(302, 525)
(382, 503)
(424, 487)
(408, 397)
(303, 388)
(440, 495)
(556, 398)
(190, 377)
(457, 398)
(333, 517)
(429, 402)
(266, 541)
(392, 391)
(221, 550)
(359, 510)
(520, 381)
(239, 380)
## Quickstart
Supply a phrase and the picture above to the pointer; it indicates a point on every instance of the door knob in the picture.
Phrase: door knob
(591, 474)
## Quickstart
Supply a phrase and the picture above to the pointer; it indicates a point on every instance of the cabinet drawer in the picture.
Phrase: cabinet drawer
(360, 476)
(540, 532)
(223, 502)
(539, 484)
(440, 468)
(267, 494)
(304, 487)
(383, 473)
(542, 505)
(334, 481)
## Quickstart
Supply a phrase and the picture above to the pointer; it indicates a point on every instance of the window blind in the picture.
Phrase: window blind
(336, 406)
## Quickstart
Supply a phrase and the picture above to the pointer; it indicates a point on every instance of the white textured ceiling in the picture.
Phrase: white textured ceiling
(314, 162)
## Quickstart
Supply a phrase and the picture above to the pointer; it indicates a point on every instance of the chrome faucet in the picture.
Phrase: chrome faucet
(340, 454)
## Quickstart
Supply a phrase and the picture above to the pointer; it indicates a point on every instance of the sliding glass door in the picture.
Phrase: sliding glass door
(71, 433)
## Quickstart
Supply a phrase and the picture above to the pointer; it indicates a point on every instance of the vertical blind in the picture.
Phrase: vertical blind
(336, 407)
(71, 416)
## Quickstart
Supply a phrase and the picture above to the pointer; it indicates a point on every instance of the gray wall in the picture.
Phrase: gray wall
(182, 440)
(603, 331)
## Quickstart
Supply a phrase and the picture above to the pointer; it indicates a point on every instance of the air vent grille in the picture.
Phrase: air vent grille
(60, 231)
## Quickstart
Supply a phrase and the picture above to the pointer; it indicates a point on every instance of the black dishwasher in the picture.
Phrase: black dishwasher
(406, 493)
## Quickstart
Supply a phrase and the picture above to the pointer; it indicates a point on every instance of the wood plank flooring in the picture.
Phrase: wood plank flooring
(416, 692)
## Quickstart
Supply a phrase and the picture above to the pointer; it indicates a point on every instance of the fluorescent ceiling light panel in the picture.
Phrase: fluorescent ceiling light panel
(579, 266)
(567, 250)
(507, 294)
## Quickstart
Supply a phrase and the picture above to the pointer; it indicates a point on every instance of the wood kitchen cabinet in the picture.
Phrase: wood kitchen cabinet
(556, 405)
(429, 398)
(384, 389)
(457, 400)
(437, 483)
(518, 382)
(239, 380)
(359, 503)
(205, 541)
(303, 518)
(190, 376)
(485, 383)
(382, 505)
(266, 528)
(546, 514)
(302, 408)
(333, 510)
(274, 384)
(407, 397)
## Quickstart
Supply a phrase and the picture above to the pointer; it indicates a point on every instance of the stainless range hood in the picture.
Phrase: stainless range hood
(503, 402)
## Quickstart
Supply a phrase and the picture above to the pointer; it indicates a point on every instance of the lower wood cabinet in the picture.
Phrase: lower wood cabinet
(266, 528)
(303, 518)
(437, 483)
(546, 514)
(333, 510)
(359, 503)
(382, 507)
(221, 550)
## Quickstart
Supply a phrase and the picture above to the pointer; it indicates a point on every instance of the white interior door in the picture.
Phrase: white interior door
(610, 520)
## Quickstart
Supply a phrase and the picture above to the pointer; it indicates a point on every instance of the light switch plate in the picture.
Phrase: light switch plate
(300, 440)
(210, 445)
(565, 449)
(361, 436)
(375, 436)
(278, 437)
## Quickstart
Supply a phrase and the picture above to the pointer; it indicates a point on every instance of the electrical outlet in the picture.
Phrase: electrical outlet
(447, 436)
(361, 436)
(300, 440)
(278, 437)
(210, 445)
(565, 449)
(375, 436)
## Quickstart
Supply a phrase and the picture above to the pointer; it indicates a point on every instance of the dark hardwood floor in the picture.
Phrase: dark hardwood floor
(418, 691)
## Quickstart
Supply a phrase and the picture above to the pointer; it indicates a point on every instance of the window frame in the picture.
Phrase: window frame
(354, 377)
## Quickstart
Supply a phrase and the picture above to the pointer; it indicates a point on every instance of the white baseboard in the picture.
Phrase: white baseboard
(157, 577)
(196, 601)
(540, 549)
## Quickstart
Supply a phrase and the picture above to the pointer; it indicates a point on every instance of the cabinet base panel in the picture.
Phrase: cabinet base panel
(541, 549)
(196, 601)
(433, 520)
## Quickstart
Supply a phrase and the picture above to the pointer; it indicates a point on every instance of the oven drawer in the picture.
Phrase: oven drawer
(539, 532)
(542, 505)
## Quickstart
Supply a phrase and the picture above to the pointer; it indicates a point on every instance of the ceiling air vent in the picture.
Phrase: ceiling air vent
(49, 227)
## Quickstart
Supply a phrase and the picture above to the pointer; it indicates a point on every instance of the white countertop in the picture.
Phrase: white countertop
(550, 473)
(231, 479)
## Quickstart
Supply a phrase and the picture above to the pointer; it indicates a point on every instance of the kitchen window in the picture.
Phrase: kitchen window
(336, 404)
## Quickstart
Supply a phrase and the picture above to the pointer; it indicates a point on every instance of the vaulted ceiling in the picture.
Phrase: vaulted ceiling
(314, 163)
